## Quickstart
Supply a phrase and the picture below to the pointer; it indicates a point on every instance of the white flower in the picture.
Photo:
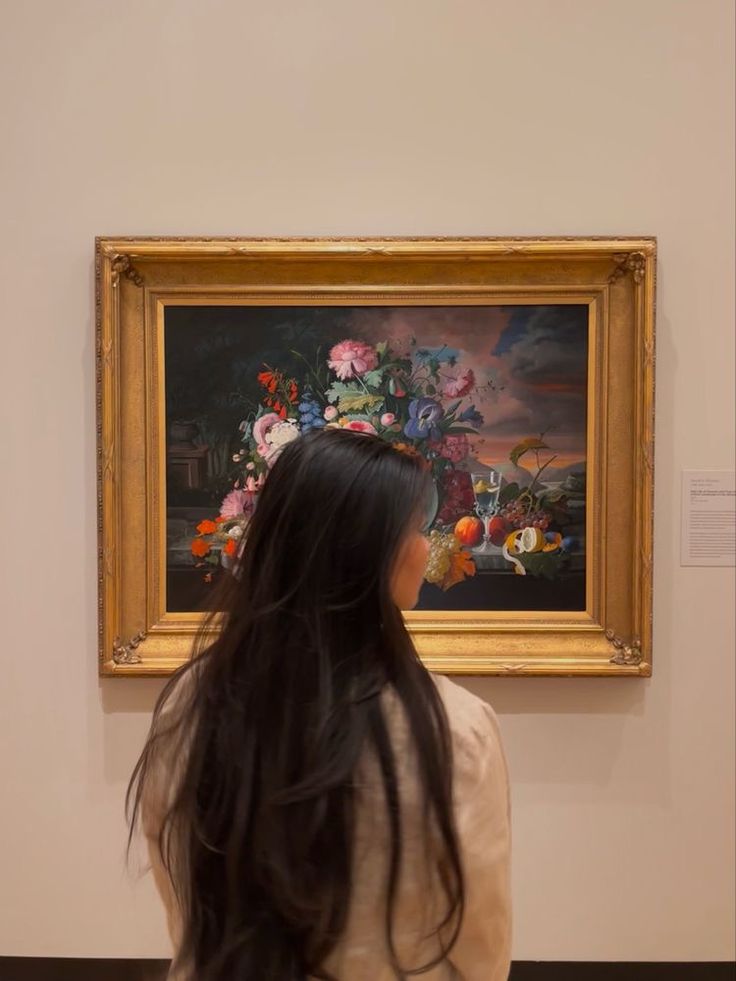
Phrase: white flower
(235, 532)
(281, 434)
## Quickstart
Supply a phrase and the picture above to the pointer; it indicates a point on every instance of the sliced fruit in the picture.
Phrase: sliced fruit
(511, 549)
(532, 540)
(512, 542)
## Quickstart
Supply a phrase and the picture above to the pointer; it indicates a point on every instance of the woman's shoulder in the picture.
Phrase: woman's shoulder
(472, 722)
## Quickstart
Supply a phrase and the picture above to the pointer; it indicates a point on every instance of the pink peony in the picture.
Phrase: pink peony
(461, 385)
(272, 433)
(348, 359)
(237, 502)
(388, 419)
(330, 413)
(358, 426)
(261, 428)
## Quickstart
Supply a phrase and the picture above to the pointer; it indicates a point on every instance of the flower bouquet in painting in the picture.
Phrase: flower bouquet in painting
(422, 400)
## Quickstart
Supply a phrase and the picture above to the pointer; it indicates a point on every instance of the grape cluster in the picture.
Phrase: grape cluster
(515, 514)
(310, 413)
(441, 549)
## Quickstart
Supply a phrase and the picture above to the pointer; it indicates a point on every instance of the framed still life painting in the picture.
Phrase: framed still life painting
(521, 370)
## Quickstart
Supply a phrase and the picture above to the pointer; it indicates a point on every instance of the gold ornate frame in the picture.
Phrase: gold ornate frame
(136, 278)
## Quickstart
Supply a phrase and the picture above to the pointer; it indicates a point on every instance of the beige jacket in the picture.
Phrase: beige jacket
(482, 951)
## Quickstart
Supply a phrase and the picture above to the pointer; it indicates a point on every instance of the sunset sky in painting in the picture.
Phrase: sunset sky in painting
(530, 364)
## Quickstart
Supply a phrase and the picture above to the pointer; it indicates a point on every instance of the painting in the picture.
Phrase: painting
(508, 370)
(482, 394)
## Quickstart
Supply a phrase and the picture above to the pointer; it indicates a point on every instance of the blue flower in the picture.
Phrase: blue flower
(424, 414)
(310, 413)
(472, 416)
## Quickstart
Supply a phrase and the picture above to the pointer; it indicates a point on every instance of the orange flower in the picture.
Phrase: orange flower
(407, 449)
(293, 392)
(231, 547)
(220, 519)
(200, 547)
(206, 527)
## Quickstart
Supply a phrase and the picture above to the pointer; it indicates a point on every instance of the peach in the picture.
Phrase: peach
(469, 531)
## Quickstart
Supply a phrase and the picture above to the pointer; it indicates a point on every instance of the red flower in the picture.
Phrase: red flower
(459, 386)
(452, 448)
(200, 547)
(277, 407)
(206, 527)
(293, 392)
(231, 547)
(269, 380)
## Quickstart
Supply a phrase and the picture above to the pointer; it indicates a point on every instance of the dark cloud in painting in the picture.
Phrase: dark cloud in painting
(544, 351)
(547, 342)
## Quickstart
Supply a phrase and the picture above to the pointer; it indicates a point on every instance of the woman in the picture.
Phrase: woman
(317, 805)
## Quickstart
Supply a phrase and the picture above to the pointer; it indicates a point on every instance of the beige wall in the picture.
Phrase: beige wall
(207, 117)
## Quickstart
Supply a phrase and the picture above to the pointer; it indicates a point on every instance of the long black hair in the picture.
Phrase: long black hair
(258, 831)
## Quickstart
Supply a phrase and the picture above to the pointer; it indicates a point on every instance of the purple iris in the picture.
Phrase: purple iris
(424, 414)
(471, 416)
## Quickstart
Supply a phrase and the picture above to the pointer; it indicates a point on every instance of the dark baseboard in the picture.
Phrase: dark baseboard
(99, 969)
(81, 969)
(622, 971)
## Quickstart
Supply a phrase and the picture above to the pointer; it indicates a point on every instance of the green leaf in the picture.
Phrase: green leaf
(431, 390)
(359, 402)
(373, 379)
(339, 388)
(530, 443)
(381, 348)
(508, 493)
(542, 564)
